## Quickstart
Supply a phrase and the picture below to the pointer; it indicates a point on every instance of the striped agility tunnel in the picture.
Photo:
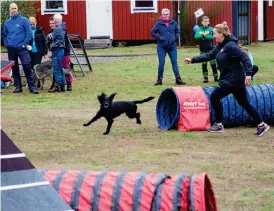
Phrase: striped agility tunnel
(132, 191)
(22, 186)
(189, 108)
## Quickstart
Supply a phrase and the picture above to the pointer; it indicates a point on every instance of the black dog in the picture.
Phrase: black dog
(110, 109)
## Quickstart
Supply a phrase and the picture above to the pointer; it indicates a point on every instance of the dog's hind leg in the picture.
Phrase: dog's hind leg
(138, 118)
(42, 83)
(132, 115)
(110, 121)
(39, 84)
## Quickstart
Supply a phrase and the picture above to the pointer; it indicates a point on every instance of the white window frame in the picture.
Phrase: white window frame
(143, 9)
(45, 11)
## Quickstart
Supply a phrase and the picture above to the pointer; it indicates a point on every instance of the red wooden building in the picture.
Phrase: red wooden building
(132, 19)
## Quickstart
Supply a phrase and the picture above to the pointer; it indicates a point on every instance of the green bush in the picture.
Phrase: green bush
(26, 8)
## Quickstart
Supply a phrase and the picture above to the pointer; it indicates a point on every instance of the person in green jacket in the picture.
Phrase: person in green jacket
(205, 35)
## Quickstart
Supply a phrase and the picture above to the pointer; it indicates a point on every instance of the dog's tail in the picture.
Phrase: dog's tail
(143, 101)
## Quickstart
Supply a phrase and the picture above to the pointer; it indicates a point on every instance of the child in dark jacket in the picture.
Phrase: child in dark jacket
(57, 45)
(65, 61)
(255, 68)
(205, 35)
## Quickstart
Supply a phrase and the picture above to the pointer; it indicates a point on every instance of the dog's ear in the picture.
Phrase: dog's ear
(111, 97)
(101, 97)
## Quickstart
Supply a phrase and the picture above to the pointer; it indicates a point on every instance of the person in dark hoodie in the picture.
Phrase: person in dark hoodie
(205, 35)
(57, 45)
(167, 32)
(38, 43)
(17, 34)
(236, 70)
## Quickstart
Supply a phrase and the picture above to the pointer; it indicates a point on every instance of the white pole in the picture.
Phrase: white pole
(179, 22)
(260, 20)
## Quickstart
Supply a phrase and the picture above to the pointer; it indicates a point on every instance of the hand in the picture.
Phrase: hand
(28, 47)
(187, 60)
(248, 80)
(206, 33)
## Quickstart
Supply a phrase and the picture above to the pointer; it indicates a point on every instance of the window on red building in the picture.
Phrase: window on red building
(143, 6)
(53, 7)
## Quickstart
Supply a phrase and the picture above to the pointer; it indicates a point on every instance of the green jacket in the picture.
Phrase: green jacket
(206, 42)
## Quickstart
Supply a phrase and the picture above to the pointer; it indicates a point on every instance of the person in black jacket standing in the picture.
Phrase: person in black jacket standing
(236, 69)
(38, 43)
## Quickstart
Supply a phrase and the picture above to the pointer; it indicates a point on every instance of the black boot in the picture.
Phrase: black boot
(179, 81)
(158, 82)
(62, 88)
(205, 80)
(56, 89)
(205, 73)
(17, 90)
(34, 91)
(69, 87)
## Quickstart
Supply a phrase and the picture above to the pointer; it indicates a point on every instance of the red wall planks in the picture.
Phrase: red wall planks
(269, 21)
(137, 26)
(75, 19)
(225, 13)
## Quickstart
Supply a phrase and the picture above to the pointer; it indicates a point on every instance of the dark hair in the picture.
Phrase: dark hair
(205, 17)
(51, 19)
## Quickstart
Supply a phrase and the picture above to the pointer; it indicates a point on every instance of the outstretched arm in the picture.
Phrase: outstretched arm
(204, 57)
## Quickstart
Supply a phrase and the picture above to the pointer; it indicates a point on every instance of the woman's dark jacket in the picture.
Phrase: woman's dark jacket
(232, 62)
(166, 36)
(40, 40)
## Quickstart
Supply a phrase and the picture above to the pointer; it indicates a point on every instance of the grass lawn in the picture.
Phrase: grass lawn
(48, 128)
(3, 49)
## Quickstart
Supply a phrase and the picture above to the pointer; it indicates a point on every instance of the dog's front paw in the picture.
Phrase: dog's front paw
(105, 133)
(85, 125)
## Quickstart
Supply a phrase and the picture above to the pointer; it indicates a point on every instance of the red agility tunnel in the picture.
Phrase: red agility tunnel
(183, 108)
(136, 191)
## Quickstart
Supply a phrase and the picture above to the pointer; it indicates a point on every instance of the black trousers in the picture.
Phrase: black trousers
(240, 94)
(35, 58)
(13, 54)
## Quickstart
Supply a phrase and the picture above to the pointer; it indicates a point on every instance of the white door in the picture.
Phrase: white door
(99, 18)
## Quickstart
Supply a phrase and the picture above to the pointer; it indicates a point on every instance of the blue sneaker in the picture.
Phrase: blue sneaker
(262, 129)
